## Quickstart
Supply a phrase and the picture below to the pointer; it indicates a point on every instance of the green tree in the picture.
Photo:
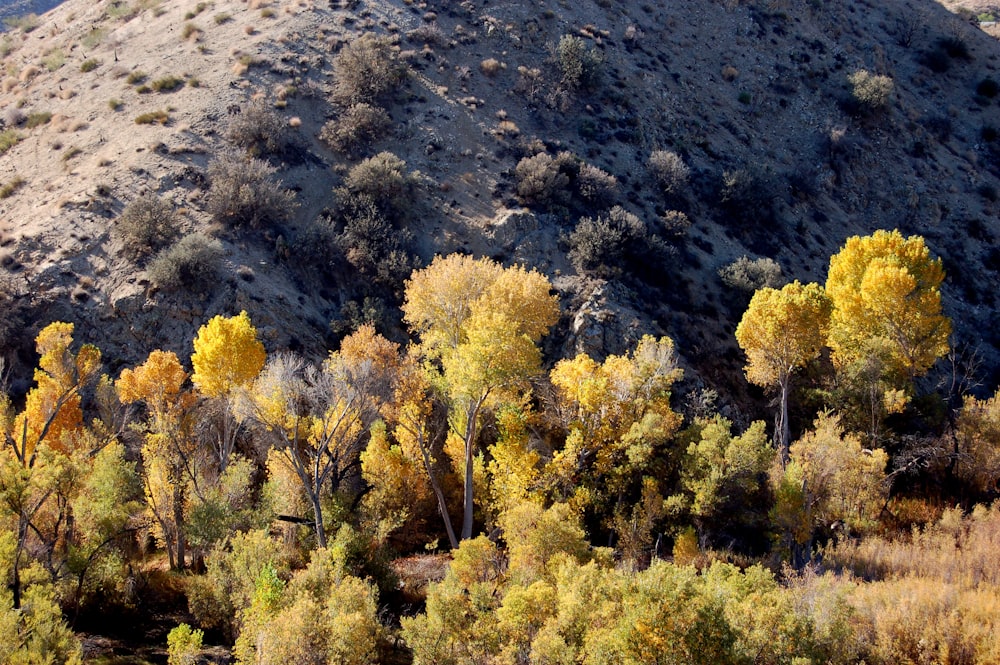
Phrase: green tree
(781, 331)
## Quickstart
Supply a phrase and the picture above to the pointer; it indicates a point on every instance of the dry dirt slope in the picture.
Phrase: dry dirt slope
(758, 87)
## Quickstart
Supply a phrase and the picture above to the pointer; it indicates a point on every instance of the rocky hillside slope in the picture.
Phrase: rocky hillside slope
(783, 160)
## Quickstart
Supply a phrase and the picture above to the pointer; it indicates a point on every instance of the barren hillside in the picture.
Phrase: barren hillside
(783, 160)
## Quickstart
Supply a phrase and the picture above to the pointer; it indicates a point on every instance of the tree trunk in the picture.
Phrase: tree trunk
(782, 432)
(179, 526)
(318, 519)
(438, 492)
(470, 442)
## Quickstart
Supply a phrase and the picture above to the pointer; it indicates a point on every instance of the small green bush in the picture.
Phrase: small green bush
(669, 171)
(192, 263)
(596, 186)
(135, 77)
(146, 225)
(543, 179)
(222, 18)
(383, 180)
(8, 139)
(115, 104)
(8, 189)
(243, 192)
(159, 116)
(37, 119)
(872, 92)
(89, 65)
(183, 645)
(356, 128)
(579, 66)
(374, 247)
(25, 23)
(167, 83)
(54, 59)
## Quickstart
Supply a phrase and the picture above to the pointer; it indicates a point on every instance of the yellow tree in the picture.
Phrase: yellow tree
(39, 442)
(781, 331)
(481, 324)
(227, 355)
(167, 453)
(886, 296)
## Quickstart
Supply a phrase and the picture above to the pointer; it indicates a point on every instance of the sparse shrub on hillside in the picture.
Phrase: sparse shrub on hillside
(748, 275)
(8, 189)
(37, 119)
(145, 225)
(168, 83)
(353, 130)
(136, 77)
(13, 309)
(259, 130)
(159, 116)
(243, 192)
(541, 180)
(191, 31)
(373, 247)
(872, 92)
(596, 186)
(600, 244)
(54, 59)
(383, 180)
(490, 66)
(192, 263)
(366, 70)
(8, 139)
(579, 66)
(669, 170)
(89, 65)
(675, 223)
(25, 23)
(316, 247)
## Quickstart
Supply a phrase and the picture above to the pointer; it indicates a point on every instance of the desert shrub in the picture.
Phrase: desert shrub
(259, 130)
(596, 185)
(354, 129)
(748, 275)
(168, 83)
(872, 92)
(675, 223)
(183, 645)
(37, 119)
(669, 170)
(136, 77)
(159, 116)
(145, 225)
(54, 59)
(540, 179)
(599, 244)
(25, 23)
(490, 66)
(89, 65)
(316, 247)
(8, 188)
(383, 180)
(192, 263)
(366, 70)
(373, 247)
(13, 308)
(579, 66)
(243, 192)
(8, 139)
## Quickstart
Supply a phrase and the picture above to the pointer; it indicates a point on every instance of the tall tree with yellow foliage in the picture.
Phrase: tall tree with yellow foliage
(781, 331)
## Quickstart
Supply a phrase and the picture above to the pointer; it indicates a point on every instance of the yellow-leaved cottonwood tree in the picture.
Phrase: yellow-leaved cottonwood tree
(781, 331)
(479, 324)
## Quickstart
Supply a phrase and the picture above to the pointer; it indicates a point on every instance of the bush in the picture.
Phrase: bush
(596, 185)
(37, 119)
(159, 116)
(244, 193)
(366, 70)
(183, 645)
(259, 130)
(192, 263)
(675, 223)
(669, 170)
(145, 225)
(374, 248)
(578, 65)
(354, 129)
(749, 275)
(8, 139)
(872, 92)
(136, 77)
(543, 180)
(167, 83)
(89, 65)
(598, 245)
(383, 180)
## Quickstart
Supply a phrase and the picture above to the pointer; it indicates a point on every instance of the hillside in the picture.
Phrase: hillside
(758, 91)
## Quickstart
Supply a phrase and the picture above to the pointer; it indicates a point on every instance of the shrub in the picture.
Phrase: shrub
(259, 130)
(675, 223)
(192, 263)
(373, 247)
(541, 180)
(159, 116)
(578, 65)
(167, 83)
(598, 245)
(25, 23)
(89, 65)
(8, 139)
(136, 77)
(115, 104)
(37, 119)
(244, 193)
(749, 275)
(872, 92)
(366, 70)
(183, 645)
(354, 129)
(747, 194)
(145, 225)
(490, 66)
(596, 185)
(384, 181)
(8, 188)
(54, 59)
(669, 170)
(222, 18)
(191, 30)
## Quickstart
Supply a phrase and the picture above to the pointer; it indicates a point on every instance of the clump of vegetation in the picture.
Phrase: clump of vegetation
(545, 180)
(669, 171)
(579, 66)
(159, 116)
(115, 104)
(371, 244)
(89, 65)
(748, 275)
(872, 92)
(384, 181)
(748, 195)
(37, 119)
(355, 128)
(243, 192)
(596, 186)
(146, 225)
(8, 139)
(54, 59)
(25, 23)
(490, 66)
(192, 263)
(259, 130)
(366, 70)
(168, 83)
(599, 245)
(135, 77)
(222, 17)
(191, 31)
(8, 189)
